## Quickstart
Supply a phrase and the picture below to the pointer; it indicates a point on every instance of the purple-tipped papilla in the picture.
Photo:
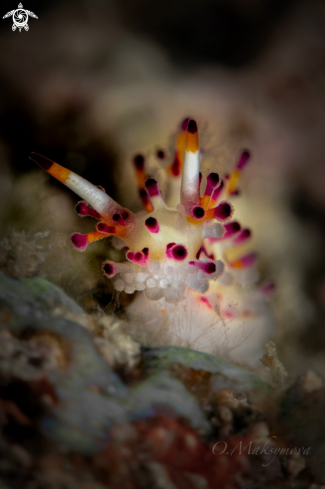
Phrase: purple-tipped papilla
(138, 257)
(79, 241)
(243, 236)
(212, 183)
(83, 209)
(217, 192)
(243, 160)
(206, 267)
(138, 162)
(198, 212)
(109, 269)
(231, 228)
(223, 211)
(176, 252)
(152, 187)
(152, 225)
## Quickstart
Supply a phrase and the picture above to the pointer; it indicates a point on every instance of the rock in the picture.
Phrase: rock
(162, 395)
(301, 421)
(204, 374)
(34, 296)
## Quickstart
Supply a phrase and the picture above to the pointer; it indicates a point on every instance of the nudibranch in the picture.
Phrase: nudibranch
(184, 253)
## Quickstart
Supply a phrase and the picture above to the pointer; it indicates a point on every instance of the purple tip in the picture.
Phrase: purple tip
(248, 260)
(231, 229)
(152, 187)
(198, 212)
(138, 257)
(43, 162)
(243, 160)
(138, 161)
(80, 241)
(176, 252)
(268, 288)
(212, 183)
(223, 211)
(217, 191)
(152, 225)
(206, 267)
(184, 123)
(179, 252)
(243, 236)
(209, 268)
(213, 180)
(121, 218)
(109, 269)
(83, 209)
(160, 154)
(192, 127)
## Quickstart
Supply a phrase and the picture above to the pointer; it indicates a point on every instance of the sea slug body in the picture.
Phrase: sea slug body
(184, 255)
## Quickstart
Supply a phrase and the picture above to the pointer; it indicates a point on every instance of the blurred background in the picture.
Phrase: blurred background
(92, 83)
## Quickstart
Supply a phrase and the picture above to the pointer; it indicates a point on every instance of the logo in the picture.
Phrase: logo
(20, 18)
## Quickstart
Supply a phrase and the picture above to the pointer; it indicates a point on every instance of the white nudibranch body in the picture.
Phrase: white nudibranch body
(197, 286)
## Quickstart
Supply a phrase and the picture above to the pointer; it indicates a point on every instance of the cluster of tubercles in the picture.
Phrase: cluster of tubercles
(164, 248)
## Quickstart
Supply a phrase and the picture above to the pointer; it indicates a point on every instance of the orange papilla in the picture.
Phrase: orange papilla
(212, 203)
(95, 236)
(192, 142)
(59, 172)
(141, 178)
(237, 264)
(176, 167)
(145, 200)
(149, 207)
(233, 181)
(204, 201)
